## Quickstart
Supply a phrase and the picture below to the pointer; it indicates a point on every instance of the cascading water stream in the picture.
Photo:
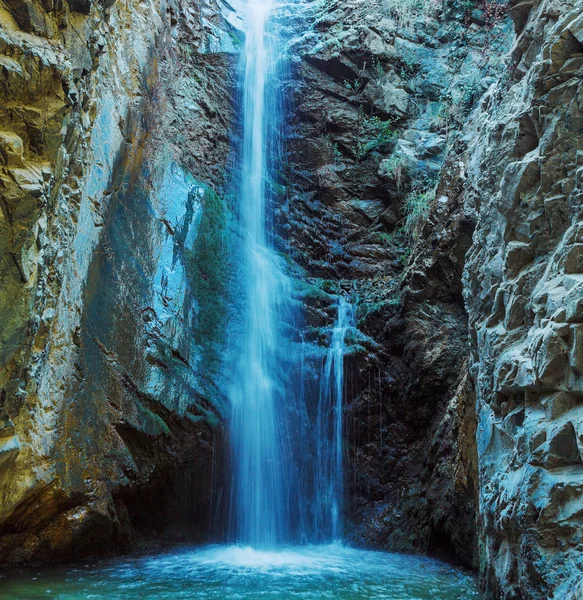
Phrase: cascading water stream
(329, 471)
(260, 485)
(276, 498)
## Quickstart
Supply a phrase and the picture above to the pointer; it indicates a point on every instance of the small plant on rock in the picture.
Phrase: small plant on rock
(406, 11)
(417, 206)
(404, 258)
(395, 168)
(379, 70)
(409, 66)
(387, 239)
(375, 134)
(353, 86)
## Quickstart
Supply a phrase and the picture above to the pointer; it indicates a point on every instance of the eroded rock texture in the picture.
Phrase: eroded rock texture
(378, 105)
(524, 291)
(113, 142)
(471, 118)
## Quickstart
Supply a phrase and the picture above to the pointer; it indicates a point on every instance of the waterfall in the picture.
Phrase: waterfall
(329, 472)
(261, 486)
(276, 497)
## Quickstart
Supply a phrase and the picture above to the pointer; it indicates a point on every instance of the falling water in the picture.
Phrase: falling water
(261, 484)
(329, 472)
(277, 497)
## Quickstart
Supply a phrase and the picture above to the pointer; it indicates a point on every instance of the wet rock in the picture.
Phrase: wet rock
(109, 415)
(370, 209)
(82, 6)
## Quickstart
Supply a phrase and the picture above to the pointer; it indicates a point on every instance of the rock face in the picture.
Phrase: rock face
(113, 145)
(523, 289)
(377, 212)
(434, 161)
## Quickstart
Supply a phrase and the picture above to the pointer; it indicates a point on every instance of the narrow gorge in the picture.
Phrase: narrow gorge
(291, 299)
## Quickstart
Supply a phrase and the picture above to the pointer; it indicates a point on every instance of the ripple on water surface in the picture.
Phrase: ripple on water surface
(234, 572)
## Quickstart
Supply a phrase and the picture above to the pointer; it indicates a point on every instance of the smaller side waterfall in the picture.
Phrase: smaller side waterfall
(329, 486)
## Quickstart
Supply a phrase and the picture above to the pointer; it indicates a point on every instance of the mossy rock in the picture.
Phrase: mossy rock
(208, 272)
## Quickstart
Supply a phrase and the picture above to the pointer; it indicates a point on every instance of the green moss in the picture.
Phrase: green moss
(329, 286)
(404, 258)
(208, 273)
(206, 416)
(366, 311)
(314, 294)
(150, 422)
(320, 290)
(276, 189)
(237, 41)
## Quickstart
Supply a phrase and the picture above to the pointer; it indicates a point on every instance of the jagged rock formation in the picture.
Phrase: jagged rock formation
(377, 106)
(524, 292)
(108, 391)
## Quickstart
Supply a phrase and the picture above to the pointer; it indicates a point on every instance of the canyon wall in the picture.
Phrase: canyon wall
(114, 136)
(524, 292)
(432, 174)
(434, 167)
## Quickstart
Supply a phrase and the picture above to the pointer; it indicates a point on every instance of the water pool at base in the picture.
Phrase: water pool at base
(235, 572)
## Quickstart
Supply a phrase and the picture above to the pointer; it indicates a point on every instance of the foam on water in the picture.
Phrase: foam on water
(225, 572)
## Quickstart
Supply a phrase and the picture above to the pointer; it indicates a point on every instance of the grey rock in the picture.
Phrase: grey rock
(523, 295)
(560, 451)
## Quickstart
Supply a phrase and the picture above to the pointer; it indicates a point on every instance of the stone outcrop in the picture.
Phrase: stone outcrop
(523, 289)
(113, 145)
